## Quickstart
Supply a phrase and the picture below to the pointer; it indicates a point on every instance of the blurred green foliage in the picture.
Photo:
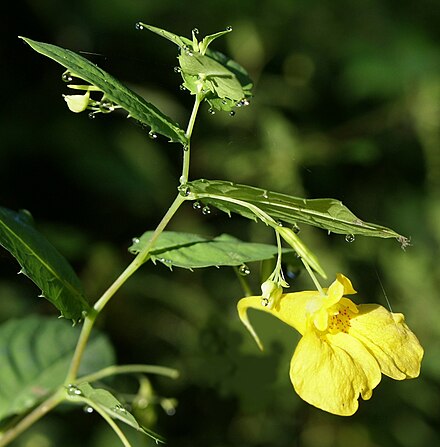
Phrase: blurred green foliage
(347, 105)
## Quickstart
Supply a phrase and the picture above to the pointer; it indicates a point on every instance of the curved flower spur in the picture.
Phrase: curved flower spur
(345, 347)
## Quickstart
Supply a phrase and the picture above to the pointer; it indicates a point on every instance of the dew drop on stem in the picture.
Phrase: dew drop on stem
(295, 228)
(177, 69)
(139, 26)
(73, 390)
(67, 77)
(195, 31)
(244, 270)
(229, 28)
(211, 111)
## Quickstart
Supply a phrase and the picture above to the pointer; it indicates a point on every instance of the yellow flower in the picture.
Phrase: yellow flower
(344, 347)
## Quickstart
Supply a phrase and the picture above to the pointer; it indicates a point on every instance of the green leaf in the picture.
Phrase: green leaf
(35, 354)
(104, 400)
(224, 83)
(192, 251)
(328, 214)
(114, 91)
(42, 263)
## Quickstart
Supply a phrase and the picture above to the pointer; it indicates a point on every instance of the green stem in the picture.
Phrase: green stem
(110, 422)
(130, 369)
(32, 417)
(108, 294)
(243, 283)
(313, 276)
(188, 133)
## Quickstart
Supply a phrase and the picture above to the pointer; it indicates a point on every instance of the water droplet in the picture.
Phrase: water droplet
(119, 409)
(295, 228)
(350, 237)
(206, 210)
(265, 195)
(182, 87)
(177, 69)
(184, 190)
(211, 111)
(139, 26)
(244, 270)
(185, 147)
(88, 409)
(73, 390)
(92, 115)
(106, 106)
(229, 28)
(232, 113)
(197, 205)
(67, 76)
(189, 53)
(152, 134)
(265, 302)
(135, 240)
(279, 223)
(195, 31)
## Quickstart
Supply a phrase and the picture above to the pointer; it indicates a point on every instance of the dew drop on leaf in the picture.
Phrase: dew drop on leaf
(206, 210)
(350, 238)
(177, 69)
(197, 205)
(232, 113)
(139, 26)
(152, 135)
(92, 115)
(229, 28)
(88, 409)
(211, 111)
(244, 270)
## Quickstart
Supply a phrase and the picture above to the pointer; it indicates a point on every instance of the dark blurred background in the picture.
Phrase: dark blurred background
(347, 105)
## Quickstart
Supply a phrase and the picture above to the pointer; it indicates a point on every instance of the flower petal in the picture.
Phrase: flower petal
(389, 339)
(243, 305)
(348, 287)
(77, 103)
(331, 372)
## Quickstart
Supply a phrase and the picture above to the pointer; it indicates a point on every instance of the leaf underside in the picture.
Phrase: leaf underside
(111, 405)
(136, 106)
(35, 354)
(193, 251)
(43, 264)
(328, 214)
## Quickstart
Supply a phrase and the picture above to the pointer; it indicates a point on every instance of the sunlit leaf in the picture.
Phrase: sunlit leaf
(193, 251)
(328, 214)
(35, 354)
(42, 263)
(225, 83)
(115, 92)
